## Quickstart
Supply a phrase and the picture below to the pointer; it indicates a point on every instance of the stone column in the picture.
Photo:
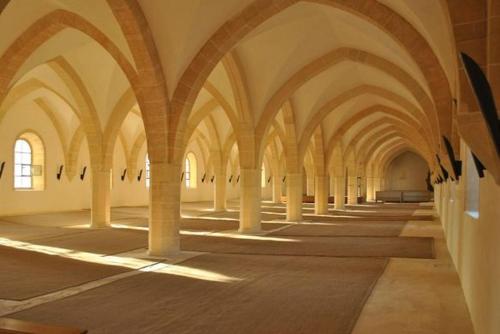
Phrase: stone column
(101, 198)
(220, 190)
(164, 209)
(310, 185)
(276, 189)
(370, 193)
(294, 196)
(321, 195)
(332, 185)
(339, 192)
(352, 190)
(376, 187)
(250, 195)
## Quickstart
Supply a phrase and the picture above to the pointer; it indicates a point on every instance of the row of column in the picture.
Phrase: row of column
(165, 190)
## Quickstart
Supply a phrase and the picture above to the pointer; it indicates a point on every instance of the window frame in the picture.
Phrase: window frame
(30, 176)
(190, 171)
(147, 171)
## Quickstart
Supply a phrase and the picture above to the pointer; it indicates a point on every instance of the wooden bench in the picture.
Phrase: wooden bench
(8, 325)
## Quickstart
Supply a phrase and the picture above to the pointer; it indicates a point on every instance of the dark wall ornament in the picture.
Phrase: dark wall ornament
(455, 164)
(122, 177)
(484, 96)
(2, 167)
(479, 166)
(82, 174)
(59, 172)
(443, 170)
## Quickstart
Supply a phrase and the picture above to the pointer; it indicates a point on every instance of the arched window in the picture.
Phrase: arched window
(190, 171)
(471, 187)
(263, 176)
(29, 159)
(23, 178)
(147, 169)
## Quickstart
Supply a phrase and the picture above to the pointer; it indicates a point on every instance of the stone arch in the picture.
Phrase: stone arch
(230, 33)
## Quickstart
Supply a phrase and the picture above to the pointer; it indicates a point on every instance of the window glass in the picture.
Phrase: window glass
(147, 168)
(190, 171)
(23, 178)
(187, 173)
(472, 187)
(263, 176)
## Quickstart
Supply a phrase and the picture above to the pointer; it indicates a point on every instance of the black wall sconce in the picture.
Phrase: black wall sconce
(2, 167)
(59, 172)
(124, 174)
(139, 177)
(443, 170)
(269, 179)
(484, 97)
(182, 176)
(284, 179)
(230, 178)
(203, 178)
(82, 174)
(455, 164)
(479, 166)
(212, 179)
(238, 179)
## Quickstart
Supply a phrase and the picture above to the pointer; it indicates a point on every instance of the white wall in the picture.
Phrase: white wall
(474, 244)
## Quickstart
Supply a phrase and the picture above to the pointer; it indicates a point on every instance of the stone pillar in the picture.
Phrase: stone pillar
(310, 184)
(276, 189)
(250, 195)
(164, 209)
(339, 192)
(294, 196)
(377, 186)
(370, 189)
(321, 195)
(352, 192)
(220, 190)
(332, 185)
(101, 198)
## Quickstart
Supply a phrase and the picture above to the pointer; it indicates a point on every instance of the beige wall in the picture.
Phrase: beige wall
(474, 244)
(407, 172)
(65, 194)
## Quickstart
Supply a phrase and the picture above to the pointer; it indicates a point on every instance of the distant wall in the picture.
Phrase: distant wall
(407, 171)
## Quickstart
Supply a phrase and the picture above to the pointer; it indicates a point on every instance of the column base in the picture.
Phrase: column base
(169, 247)
(255, 230)
(97, 225)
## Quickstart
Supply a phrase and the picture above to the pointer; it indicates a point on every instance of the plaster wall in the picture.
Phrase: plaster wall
(474, 244)
(58, 195)
(408, 171)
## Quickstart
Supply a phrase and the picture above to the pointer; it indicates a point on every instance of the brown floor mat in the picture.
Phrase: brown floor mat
(105, 241)
(279, 294)
(409, 247)
(201, 224)
(354, 228)
(26, 274)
